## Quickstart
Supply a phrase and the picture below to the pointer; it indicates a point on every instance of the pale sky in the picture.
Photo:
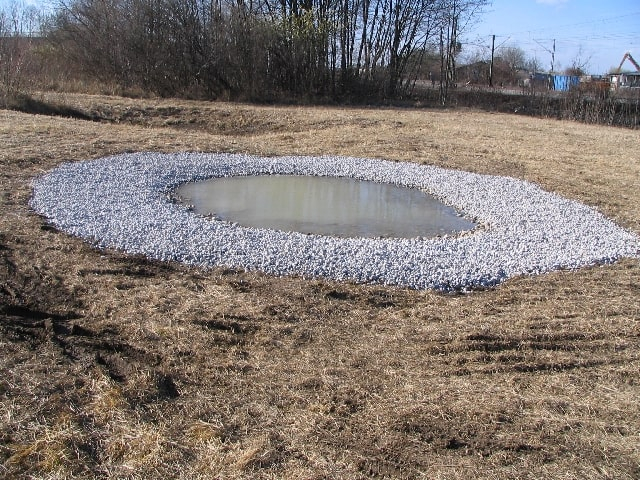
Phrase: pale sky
(596, 31)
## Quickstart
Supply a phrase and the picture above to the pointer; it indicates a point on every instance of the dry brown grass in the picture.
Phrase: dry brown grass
(114, 366)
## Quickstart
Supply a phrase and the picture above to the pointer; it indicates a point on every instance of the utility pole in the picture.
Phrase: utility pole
(493, 48)
(552, 52)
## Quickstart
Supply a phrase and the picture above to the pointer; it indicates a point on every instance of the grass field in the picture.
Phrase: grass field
(114, 366)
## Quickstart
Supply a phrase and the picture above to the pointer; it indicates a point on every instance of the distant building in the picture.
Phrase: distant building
(625, 80)
(476, 73)
(541, 81)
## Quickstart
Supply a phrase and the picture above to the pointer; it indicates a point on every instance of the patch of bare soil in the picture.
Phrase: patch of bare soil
(117, 366)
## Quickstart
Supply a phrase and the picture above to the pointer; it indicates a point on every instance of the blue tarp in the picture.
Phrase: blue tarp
(565, 82)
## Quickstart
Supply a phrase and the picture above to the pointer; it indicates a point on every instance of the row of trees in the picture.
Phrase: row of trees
(257, 48)
(16, 45)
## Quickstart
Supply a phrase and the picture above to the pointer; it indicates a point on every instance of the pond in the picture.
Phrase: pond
(334, 206)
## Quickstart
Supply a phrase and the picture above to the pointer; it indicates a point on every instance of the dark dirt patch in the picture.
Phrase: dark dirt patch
(29, 104)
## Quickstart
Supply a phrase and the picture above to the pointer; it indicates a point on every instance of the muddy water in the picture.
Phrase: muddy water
(323, 205)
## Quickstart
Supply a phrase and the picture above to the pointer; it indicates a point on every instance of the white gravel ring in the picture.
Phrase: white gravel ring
(124, 202)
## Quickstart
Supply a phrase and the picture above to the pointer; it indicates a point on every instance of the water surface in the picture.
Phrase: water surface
(335, 206)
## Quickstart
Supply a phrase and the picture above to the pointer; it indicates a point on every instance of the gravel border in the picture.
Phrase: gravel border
(124, 202)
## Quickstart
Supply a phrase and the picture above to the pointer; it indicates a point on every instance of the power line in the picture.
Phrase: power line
(556, 27)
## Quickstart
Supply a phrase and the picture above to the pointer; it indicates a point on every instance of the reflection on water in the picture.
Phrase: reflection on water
(323, 205)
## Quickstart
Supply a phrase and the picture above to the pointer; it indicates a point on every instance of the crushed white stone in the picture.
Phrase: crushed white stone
(125, 202)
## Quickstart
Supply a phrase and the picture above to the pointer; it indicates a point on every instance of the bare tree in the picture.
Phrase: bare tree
(579, 63)
(533, 64)
(514, 57)
(18, 26)
(457, 17)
